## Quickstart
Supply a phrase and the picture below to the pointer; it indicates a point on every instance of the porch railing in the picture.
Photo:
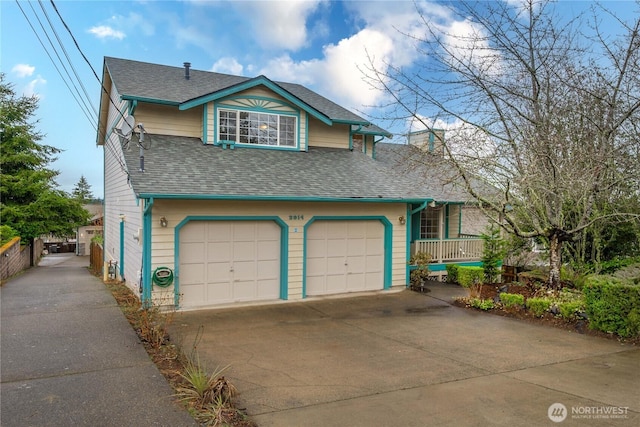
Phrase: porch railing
(450, 250)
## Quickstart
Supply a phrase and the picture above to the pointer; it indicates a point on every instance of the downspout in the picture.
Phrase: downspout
(373, 146)
(146, 254)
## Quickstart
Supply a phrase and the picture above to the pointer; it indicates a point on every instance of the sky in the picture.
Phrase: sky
(324, 45)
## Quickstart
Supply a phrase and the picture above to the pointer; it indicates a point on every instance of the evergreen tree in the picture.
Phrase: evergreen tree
(30, 203)
(82, 191)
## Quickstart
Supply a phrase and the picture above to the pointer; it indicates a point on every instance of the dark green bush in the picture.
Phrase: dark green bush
(6, 234)
(538, 306)
(469, 276)
(452, 273)
(511, 300)
(613, 305)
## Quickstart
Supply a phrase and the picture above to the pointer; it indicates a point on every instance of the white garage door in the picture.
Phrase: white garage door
(229, 261)
(344, 256)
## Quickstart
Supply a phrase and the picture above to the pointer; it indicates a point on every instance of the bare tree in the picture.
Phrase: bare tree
(544, 113)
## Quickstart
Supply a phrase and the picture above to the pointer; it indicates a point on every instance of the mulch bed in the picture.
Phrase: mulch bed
(581, 326)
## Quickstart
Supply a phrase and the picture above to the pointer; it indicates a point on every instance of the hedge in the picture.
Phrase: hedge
(469, 276)
(612, 305)
(452, 273)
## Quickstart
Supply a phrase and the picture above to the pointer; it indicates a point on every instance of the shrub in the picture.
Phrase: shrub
(421, 273)
(6, 233)
(511, 300)
(469, 276)
(482, 304)
(569, 309)
(492, 253)
(538, 306)
(452, 273)
(613, 305)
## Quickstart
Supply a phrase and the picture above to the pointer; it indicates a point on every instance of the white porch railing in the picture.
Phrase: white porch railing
(450, 250)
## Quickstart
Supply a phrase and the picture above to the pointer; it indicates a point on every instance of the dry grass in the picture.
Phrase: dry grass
(209, 398)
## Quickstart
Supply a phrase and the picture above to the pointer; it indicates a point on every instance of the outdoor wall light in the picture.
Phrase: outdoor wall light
(163, 221)
(402, 220)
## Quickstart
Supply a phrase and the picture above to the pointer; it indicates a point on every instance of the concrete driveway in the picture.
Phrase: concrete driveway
(409, 359)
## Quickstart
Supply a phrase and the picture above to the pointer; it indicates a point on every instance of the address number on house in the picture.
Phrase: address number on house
(296, 217)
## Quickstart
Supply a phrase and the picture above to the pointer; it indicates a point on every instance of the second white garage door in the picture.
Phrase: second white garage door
(229, 261)
(344, 256)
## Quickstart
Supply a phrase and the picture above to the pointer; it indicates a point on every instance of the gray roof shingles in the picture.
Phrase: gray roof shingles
(211, 171)
(164, 83)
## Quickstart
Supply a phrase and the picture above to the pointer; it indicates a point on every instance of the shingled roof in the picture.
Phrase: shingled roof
(168, 85)
(431, 175)
(209, 171)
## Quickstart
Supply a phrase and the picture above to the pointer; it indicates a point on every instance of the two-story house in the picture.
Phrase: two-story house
(223, 189)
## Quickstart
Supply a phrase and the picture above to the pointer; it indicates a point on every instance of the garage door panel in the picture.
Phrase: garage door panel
(192, 274)
(192, 252)
(217, 231)
(344, 256)
(232, 261)
(218, 272)
(268, 269)
(193, 232)
(336, 247)
(193, 295)
(356, 247)
(219, 251)
(268, 249)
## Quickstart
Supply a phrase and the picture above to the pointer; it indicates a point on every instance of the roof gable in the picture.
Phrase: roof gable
(167, 85)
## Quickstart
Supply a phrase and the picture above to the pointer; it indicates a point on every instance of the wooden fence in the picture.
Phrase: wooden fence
(95, 258)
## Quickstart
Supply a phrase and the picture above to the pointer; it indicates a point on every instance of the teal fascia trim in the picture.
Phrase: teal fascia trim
(122, 248)
(133, 104)
(284, 249)
(443, 266)
(149, 100)
(205, 113)
(388, 245)
(351, 122)
(146, 254)
(258, 81)
(242, 197)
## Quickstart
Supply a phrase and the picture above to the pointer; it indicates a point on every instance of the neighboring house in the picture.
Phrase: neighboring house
(86, 233)
(247, 190)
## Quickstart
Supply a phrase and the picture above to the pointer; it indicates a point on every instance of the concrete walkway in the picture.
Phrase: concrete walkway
(70, 358)
(409, 359)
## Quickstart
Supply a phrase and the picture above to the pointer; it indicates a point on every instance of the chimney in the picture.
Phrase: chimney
(187, 65)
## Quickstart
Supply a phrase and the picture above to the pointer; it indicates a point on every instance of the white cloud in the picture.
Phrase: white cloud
(227, 65)
(279, 24)
(106, 32)
(23, 70)
(31, 88)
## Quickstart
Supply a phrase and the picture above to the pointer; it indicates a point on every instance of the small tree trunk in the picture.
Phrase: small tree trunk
(555, 262)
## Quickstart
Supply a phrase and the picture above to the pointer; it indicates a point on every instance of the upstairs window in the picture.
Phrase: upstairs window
(248, 127)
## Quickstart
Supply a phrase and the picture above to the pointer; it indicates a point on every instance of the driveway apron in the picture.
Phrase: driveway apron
(409, 359)
(70, 358)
